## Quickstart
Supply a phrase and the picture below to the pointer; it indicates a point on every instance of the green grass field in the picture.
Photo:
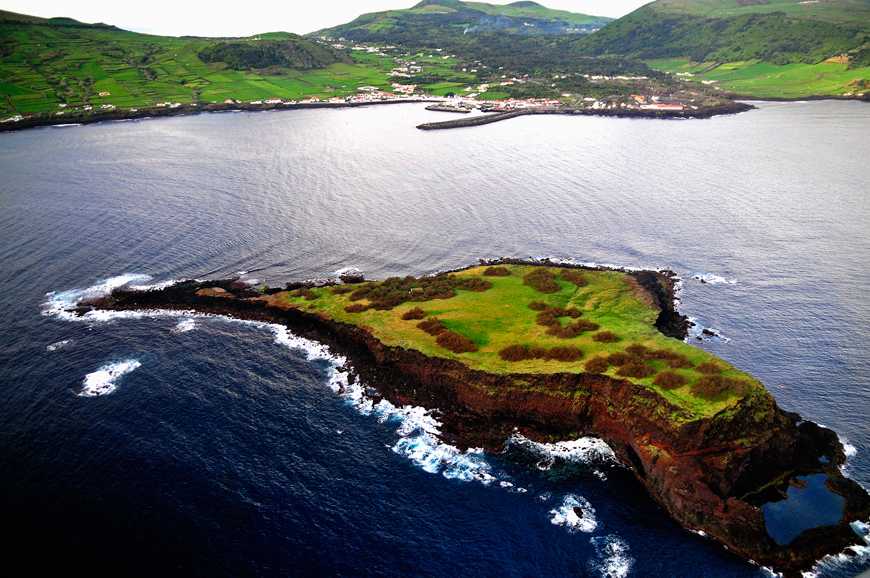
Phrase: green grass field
(846, 12)
(765, 80)
(500, 317)
(42, 67)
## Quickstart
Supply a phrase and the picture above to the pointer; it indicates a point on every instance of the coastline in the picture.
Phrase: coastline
(742, 104)
(97, 116)
(487, 118)
(698, 471)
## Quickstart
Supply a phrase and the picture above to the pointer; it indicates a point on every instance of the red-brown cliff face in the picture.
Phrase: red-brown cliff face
(699, 469)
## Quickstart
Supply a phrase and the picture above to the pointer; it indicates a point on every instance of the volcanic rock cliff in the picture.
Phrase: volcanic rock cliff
(704, 471)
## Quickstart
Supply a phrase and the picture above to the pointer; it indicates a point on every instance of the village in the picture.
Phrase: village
(460, 90)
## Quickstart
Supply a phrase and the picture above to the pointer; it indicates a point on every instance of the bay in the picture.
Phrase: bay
(222, 451)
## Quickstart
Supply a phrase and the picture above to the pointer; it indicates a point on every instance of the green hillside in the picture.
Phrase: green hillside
(46, 63)
(760, 48)
(841, 12)
(439, 20)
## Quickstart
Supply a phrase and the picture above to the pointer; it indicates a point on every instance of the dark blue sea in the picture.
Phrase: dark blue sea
(161, 445)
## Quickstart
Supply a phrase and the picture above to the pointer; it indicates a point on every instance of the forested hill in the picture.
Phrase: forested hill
(774, 31)
(434, 21)
(290, 51)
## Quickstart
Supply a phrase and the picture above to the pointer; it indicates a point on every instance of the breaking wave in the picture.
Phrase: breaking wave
(104, 380)
(712, 279)
(613, 560)
(58, 345)
(854, 556)
(575, 513)
(185, 325)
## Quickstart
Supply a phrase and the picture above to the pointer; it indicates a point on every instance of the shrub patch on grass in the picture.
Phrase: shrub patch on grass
(606, 337)
(395, 290)
(497, 272)
(574, 276)
(542, 281)
(305, 292)
(413, 314)
(518, 352)
(564, 353)
(709, 367)
(636, 368)
(549, 317)
(356, 307)
(597, 365)
(573, 329)
(619, 358)
(455, 342)
(669, 380)
(716, 387)
(475, 284)
(432, 326)
(341, 289)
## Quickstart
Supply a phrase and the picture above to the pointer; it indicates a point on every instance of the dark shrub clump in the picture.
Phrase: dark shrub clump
(518, 352)
(395, 291)
(566, 353)
(547, 318)
(515, 352)
(412, 314)
(606, 337)
(637, 369)
(305, 292)
(537, 352)
(716, 387)
(475, 284)
(574, 276)
(341, 289)
(669, 380)
(432, 326)
(571, 312)
(597, 365)
(618, 358)
(538, 306)
(672, 359)
(638, 350)
(497, 272)
(573, 329)
(455, 342)
(541, 280)
(709, 367)
(356, 308)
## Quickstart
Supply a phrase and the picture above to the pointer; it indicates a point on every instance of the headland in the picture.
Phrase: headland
(558, 352)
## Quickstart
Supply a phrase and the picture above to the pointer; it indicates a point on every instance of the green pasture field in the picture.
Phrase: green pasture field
(44, 66)
(501, 316)
(844, 12)
(765, 80)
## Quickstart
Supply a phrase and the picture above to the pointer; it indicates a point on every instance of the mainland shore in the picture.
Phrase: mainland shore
(78, 117)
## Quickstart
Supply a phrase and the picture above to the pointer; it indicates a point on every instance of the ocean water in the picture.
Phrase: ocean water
(187, 445)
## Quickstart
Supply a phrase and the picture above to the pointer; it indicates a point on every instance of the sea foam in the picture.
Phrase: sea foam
(185, 325)
(575, 513)
(613, 559)
(588, 451)
(61, 303)
(857, 556)
(104, 380)
(713, 279)
(58, 345)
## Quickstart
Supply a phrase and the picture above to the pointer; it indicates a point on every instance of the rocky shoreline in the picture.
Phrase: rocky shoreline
(703, 471)
(117, 114)
(707, 112)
